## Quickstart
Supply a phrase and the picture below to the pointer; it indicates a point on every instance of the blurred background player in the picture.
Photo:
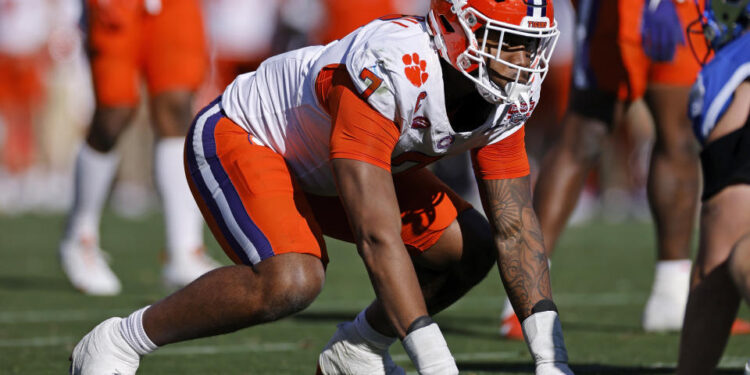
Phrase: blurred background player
(344, 16)
(161, 42)
(38, 39)
(235, 45)
(720, 110)
(628, 50)
(24, 32)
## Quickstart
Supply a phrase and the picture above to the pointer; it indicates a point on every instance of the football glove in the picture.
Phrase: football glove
(661, 30)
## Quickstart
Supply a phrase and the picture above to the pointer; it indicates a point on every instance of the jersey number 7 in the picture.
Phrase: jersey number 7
(375, 82)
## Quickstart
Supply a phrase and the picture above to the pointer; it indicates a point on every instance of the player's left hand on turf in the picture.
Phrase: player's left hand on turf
(661, 30)
(555, 368)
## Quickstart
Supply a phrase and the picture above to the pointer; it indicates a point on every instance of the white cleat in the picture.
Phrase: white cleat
(104, 351)
(348, 353)
(664, 312)
(663, 315)
(86, 267)
(178, 272)
(747, 368)
(665, 308)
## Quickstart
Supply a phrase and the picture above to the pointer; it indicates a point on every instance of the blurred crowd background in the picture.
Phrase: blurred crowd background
(46, 100)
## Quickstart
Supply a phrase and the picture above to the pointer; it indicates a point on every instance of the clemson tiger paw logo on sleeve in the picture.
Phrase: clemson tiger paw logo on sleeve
(415, 69)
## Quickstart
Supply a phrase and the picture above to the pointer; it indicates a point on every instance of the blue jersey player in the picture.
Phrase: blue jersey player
(720, 111)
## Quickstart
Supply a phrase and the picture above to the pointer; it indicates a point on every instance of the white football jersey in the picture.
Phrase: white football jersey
(277, 103)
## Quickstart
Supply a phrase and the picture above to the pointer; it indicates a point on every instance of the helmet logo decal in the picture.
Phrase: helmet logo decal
(416, 69)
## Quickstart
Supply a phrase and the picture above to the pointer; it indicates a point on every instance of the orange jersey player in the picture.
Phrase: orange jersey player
(236, 45)
(331, 140)
(639, 59)
(161, 43)
(24, 32)
(344, 16)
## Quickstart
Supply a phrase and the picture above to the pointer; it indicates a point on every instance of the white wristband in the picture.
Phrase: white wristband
(543, 334)
(429, 352)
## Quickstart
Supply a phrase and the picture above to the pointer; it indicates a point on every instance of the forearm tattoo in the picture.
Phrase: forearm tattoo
(518, 238)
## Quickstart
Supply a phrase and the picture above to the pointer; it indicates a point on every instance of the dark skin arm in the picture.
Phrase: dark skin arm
(369, 198)
(518, 240)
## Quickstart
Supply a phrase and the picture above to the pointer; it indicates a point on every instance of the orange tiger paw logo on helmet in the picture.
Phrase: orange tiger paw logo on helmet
(415, 69)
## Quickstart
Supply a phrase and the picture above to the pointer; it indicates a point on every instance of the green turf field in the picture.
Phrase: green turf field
(600, 278)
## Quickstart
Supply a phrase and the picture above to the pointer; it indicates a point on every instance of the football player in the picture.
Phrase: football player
(720, 111)
(25, 30)
(628, 50)
(162, 42)
(331, 140)
(343, 16)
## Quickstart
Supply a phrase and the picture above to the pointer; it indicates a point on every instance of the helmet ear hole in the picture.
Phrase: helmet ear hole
(446, 25)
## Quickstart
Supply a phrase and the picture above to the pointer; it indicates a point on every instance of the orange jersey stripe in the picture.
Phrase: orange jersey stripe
(359, 131)
(501, 160)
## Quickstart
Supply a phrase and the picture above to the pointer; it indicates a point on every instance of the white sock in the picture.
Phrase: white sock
(543, 334)
(429, 352)
(373, 337)
(672, 277)
(94, 172)
(183, 220)
(131, 329)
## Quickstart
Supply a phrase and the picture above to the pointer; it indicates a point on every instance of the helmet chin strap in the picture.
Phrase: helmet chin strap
(517, 94)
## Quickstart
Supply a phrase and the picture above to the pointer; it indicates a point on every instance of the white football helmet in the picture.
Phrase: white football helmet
(458, 26)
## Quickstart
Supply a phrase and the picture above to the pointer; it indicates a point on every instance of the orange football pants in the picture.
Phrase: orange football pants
(617, 61)
(127, 42)
(256, 209)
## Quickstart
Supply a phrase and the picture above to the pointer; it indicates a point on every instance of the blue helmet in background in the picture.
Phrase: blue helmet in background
(725, 20)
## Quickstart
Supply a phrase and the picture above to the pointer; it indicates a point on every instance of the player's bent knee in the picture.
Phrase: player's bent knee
(589, 141)
(291, 284)
(172, 113)
(683, 147)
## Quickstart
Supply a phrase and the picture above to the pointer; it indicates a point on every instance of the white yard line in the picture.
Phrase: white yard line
(232, 348)
(54, 315)
(223, 349)
(35, 342)
(562, 299)
(474, 356)
(733, 361)
(403, 359)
